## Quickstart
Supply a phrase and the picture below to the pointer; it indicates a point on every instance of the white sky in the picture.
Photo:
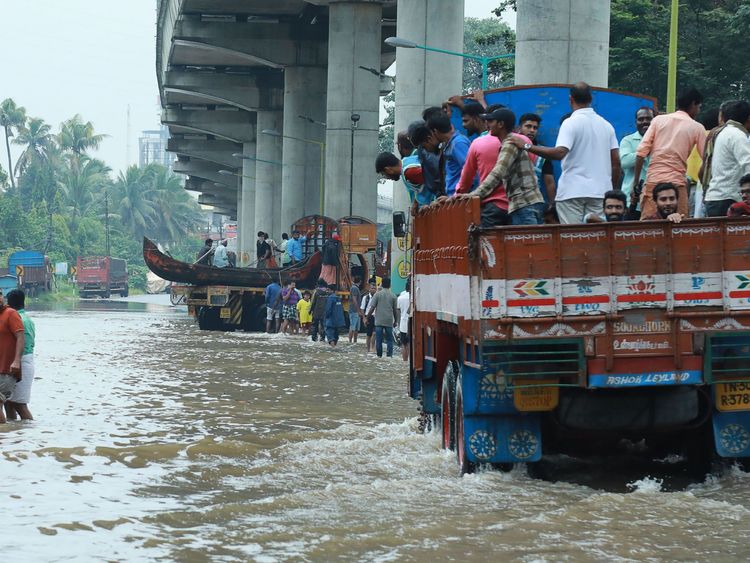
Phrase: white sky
(93, 57)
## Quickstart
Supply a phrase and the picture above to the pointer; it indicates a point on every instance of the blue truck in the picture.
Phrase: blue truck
(33, 270)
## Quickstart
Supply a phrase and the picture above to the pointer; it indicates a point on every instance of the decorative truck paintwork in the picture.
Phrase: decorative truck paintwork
(643, 306)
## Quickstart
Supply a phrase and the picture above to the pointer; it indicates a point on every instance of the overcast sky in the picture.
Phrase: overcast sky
(96, 58)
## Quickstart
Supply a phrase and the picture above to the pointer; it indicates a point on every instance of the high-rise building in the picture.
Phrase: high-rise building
(152, 148)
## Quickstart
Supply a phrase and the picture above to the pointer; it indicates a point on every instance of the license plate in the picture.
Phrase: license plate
(225, 313)
(535, 399)
(733, 396)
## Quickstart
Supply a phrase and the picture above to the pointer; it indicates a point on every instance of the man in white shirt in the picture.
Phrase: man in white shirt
(590, 156)
(404, 303)
(730, 161)
(221, 260)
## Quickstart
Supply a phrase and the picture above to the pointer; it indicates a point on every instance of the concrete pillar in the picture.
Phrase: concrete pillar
(304, 94)
(246, 229)
(354, 40)
(562, 42)
(423, 79)
(268, 176)
(239, 221)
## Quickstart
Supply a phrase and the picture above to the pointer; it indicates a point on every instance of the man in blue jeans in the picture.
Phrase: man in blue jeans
(355, 310)
(385, 309)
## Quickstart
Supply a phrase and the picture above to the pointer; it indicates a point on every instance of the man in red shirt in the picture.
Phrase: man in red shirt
(11, 349)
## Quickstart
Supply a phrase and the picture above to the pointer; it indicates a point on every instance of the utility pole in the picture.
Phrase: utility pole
(106, 218)
(127, 139)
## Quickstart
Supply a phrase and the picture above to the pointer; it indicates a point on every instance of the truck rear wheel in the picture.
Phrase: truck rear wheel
(125, 291)
(106, 294)
(447, 412)
(464, 465)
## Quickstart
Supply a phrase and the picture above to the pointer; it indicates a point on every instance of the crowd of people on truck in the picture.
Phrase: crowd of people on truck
(651, 174)
(319, 314)
(17, 337)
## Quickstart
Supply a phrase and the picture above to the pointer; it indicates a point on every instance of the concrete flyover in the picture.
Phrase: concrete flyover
(228, 70)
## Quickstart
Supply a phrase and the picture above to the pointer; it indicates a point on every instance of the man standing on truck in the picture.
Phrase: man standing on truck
(428, 151)
(669, 141)
(385, 310)
(667, 197)
(12, 342)
(730, 161)
(590, 156)
(294, 247)
(628, 147)
(409, 171)
(204, 254)
(221, 258)
(455, 147)
(528, 125)
(515, 171)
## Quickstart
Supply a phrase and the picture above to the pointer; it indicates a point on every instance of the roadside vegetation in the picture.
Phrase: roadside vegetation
(55, 198)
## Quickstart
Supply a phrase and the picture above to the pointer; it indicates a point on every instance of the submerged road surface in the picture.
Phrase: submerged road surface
(154, 440)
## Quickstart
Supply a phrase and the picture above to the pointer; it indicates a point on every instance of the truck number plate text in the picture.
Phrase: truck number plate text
(733, 396)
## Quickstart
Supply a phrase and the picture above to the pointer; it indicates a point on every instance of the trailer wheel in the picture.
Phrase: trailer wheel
(125, 291)
(106, 294)
(447, 410)
(464, 465)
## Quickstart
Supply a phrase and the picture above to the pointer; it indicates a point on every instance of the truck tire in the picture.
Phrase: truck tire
(447, 400)
(106, 294)
(464, 465)
(208, 318)
(124, 292)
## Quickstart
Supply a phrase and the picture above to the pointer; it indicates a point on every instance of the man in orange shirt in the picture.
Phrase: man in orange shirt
(12, 342)
(669, 141)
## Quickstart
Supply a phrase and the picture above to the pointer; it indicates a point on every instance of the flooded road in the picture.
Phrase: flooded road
(154, 440)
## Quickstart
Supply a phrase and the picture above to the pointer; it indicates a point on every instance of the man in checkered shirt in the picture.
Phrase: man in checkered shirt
(515, 171)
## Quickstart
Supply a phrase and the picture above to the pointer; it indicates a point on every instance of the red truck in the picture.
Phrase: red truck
(101, 275)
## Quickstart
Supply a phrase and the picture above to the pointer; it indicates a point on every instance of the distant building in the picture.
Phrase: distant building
(152, 148)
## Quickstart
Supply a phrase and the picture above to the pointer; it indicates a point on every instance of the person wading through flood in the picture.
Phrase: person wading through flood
(318, 308)
(19, 399)
(12, 342)
(334, 317)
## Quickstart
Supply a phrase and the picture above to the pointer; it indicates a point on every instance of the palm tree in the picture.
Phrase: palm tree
(176, 211)
(36, 136)
(11, 116)
(81, 181)
(132, 199)
(77, 136)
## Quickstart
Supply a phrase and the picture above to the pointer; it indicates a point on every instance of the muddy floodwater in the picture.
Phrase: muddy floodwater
(156, 441)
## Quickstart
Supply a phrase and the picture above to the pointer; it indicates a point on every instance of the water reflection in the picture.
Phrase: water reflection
(155, 440)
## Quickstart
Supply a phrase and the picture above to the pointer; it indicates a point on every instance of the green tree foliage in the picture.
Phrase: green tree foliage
(386, 133)
(488, 37)
(11, 117)
(64, 198)
(711, 49)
